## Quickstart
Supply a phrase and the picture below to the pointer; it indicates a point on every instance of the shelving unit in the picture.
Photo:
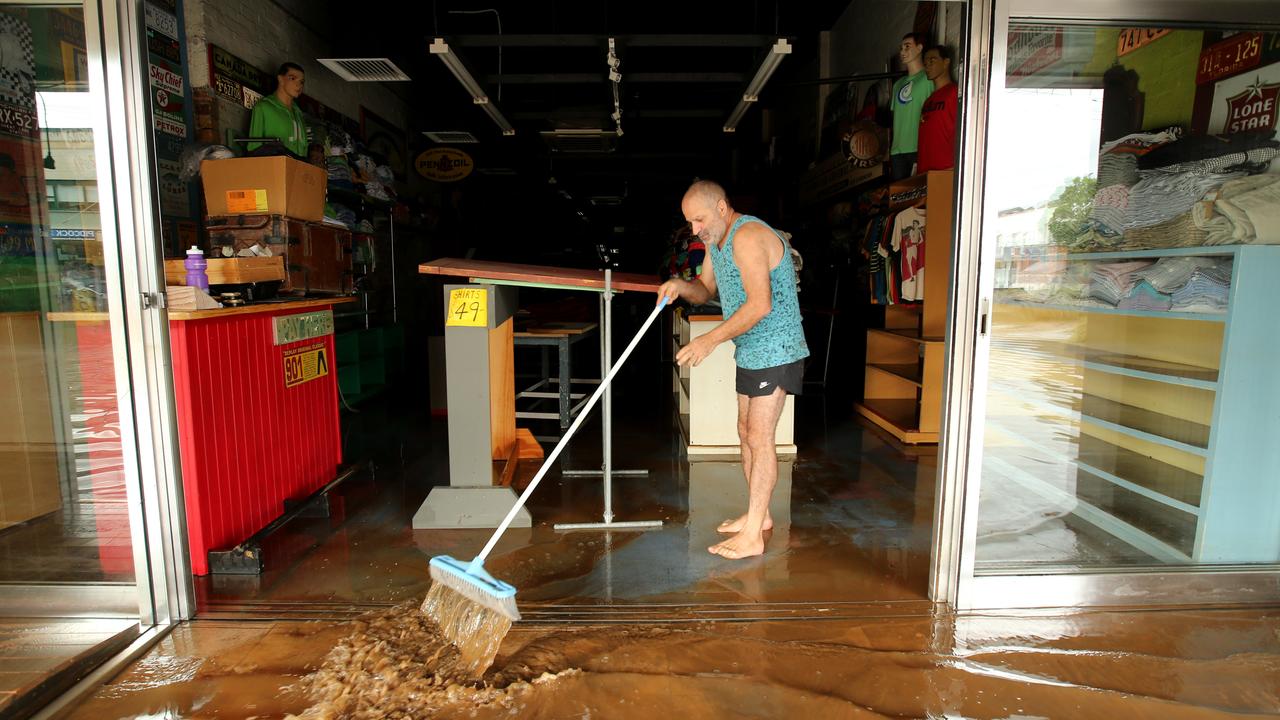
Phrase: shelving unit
(903, 387)
(1176, 452)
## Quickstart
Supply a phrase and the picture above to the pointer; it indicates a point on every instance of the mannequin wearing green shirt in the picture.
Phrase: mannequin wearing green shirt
(909, 94)
(277, 115)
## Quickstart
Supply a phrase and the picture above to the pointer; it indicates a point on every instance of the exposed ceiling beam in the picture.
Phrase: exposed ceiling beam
(512, 41)
(655, 114)
(727, 78)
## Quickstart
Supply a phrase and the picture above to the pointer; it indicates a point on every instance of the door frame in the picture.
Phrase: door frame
(953, 579)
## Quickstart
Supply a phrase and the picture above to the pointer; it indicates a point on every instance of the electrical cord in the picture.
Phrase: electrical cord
(499, 17)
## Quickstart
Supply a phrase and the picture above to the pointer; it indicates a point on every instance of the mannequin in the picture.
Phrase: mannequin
(908, 98)
(277, 116)
(938, 117)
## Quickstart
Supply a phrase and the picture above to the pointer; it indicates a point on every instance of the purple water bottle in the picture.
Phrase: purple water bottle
(196, 264)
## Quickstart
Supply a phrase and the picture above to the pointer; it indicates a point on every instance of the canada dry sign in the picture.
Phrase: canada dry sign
(444, 164)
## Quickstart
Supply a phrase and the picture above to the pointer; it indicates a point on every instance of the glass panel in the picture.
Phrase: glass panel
(66, 550)
(1132, 402)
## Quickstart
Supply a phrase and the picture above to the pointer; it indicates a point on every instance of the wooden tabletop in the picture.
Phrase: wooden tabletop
(481, 270)
(258, 308)
(212, 313)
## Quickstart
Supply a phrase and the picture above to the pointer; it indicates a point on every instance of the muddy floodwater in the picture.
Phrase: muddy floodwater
(393, 664)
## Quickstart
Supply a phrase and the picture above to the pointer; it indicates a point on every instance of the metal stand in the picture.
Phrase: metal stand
(606, 420)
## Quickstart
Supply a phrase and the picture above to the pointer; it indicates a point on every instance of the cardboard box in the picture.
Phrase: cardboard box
(271, 185)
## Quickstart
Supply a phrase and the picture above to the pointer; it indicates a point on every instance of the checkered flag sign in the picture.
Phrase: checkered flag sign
(17, 63)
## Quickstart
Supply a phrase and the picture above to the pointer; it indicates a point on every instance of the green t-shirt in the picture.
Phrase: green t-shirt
(272, 119)
(909, 94)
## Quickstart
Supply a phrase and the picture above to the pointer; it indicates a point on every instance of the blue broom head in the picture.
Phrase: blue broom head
(460, 575)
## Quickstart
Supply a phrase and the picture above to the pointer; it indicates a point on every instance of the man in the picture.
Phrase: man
(938, 116)
(909, 94)
(752, 272)
(277, 115)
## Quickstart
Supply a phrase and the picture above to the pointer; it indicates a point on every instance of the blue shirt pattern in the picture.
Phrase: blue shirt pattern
(778, 338)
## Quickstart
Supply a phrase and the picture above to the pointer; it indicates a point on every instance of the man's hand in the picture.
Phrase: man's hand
(669, 290)
(696, 351)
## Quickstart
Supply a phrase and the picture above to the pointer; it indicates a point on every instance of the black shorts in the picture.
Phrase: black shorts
(759, 383)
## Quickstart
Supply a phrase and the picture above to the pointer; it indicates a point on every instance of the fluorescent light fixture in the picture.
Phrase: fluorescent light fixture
(777, 51)
(440, 48)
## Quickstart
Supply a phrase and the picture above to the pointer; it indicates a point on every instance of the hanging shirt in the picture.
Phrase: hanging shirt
(909, 95)
(272, 119)
(938, 130)
(778, 338)
(908, 240)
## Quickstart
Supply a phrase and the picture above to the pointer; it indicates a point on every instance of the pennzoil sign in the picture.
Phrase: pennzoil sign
(444, 164)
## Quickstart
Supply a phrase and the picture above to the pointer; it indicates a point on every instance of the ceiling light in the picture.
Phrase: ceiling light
(777, 51)
(478, 96)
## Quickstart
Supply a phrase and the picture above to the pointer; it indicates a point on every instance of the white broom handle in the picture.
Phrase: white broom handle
(479, 559)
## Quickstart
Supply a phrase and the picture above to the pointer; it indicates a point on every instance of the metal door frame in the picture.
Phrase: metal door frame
(953, 580)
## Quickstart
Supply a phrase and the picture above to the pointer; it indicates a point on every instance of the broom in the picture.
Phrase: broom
(465, 601)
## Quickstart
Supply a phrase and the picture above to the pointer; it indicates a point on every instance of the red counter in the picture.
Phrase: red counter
(257, 421)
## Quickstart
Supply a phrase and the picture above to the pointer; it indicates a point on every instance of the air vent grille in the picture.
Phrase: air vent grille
(451, 137)
(581, 141)
(364, 69)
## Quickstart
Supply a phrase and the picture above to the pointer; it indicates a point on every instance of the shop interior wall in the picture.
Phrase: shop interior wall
(266, 33)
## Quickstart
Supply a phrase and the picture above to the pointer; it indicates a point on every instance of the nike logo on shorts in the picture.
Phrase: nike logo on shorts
(764, 385)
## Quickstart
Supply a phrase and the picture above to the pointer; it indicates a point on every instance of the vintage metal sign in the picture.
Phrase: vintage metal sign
(444, 164)
(303, 326)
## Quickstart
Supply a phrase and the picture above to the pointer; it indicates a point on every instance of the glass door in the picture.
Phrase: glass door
(79, 577)
(1124, 404)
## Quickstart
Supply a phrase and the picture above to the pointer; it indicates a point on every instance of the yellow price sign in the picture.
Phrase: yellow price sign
(468, 307)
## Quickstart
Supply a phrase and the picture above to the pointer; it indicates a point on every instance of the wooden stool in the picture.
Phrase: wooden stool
(561, 336)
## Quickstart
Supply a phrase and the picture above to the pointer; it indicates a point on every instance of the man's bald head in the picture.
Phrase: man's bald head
(706, 191)
(707, 210)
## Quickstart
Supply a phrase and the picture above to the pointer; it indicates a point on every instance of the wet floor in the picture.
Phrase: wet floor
(1185, 664)
(832, 620)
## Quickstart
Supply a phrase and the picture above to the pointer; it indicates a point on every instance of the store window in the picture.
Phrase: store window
(1133, 401)
(67, 565)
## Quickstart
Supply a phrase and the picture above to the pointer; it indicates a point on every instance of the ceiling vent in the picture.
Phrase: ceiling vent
(450, 137)
(364, 69)
(580, 141)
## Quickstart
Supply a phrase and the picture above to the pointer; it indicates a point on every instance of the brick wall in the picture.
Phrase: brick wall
(267, 33)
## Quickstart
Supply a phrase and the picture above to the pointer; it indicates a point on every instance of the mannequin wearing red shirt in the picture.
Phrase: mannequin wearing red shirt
(938, 116)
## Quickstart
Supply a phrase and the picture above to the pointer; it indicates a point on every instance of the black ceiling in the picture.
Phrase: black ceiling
(684, 66)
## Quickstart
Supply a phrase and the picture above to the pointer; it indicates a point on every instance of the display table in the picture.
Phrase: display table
(482, 406)
(257, 408)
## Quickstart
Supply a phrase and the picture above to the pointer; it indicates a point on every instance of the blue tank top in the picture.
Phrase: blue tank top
(778, 338)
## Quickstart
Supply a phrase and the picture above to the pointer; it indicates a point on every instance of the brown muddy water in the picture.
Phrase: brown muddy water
(886, 663)
(395, 664)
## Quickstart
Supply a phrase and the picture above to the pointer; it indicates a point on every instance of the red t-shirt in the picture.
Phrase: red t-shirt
(938, 130)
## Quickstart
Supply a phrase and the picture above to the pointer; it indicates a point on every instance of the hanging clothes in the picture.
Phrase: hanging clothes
(908, 240)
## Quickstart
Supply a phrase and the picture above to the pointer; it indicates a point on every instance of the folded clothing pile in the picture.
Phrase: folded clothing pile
(1144, 296)
(1206, 291)
(1111, 282)
(1171, 273)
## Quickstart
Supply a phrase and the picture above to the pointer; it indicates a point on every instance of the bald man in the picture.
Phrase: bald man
(752, 272)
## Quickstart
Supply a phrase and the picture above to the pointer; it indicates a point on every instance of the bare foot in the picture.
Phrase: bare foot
(739, 546)
(733, 527)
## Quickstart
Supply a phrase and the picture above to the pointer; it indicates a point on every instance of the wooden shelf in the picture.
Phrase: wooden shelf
(1159, 481)
(910, 372)
(1166, 314)
(905, 334)
(1150, 369)
(1167, 430)
(899, 417)
(1214, 251)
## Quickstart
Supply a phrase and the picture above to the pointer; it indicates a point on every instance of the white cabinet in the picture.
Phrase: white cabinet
(707, 400)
